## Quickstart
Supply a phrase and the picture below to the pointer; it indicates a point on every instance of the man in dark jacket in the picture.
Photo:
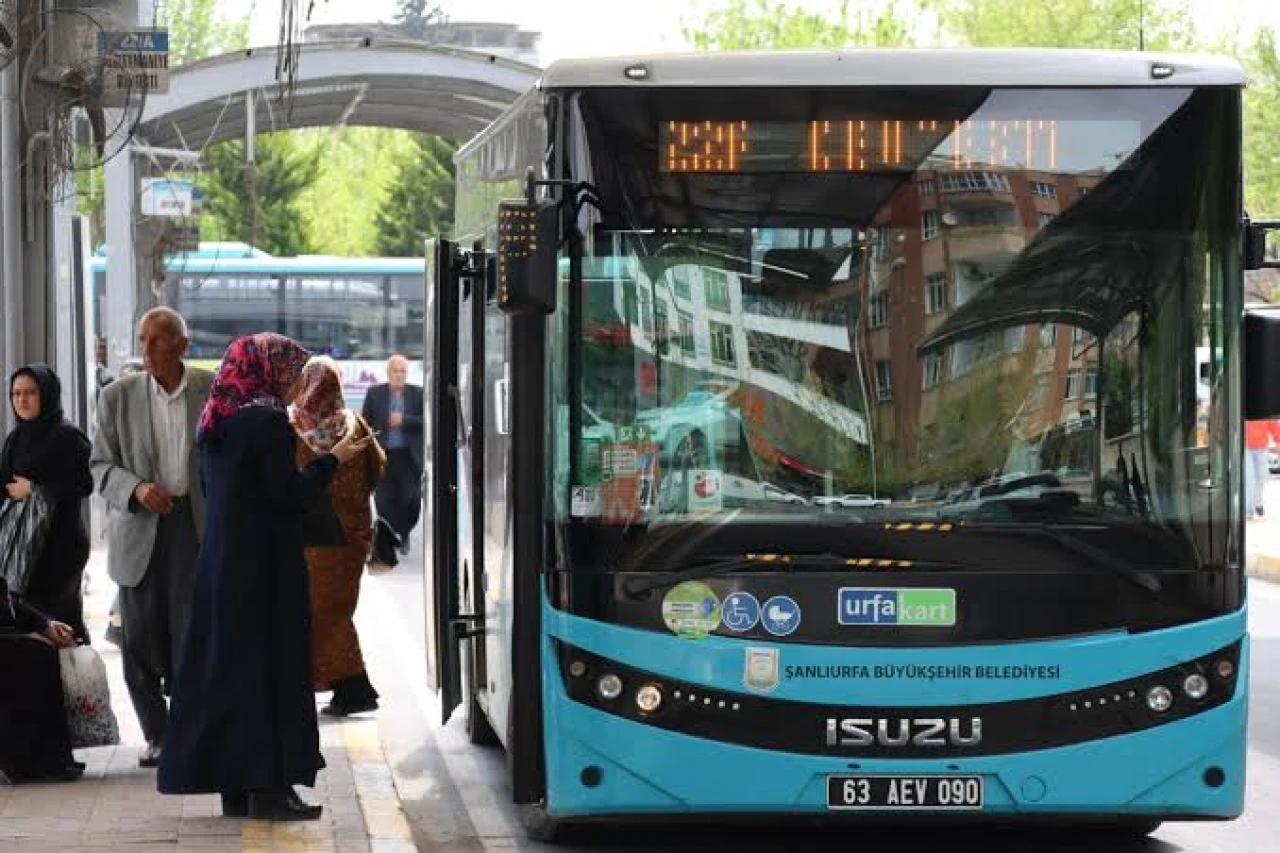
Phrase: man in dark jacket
(394, 410)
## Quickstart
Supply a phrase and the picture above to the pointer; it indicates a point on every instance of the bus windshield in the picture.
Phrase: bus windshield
(829, 310)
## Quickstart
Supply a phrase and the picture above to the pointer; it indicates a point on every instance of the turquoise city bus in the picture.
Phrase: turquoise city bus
(853, 435)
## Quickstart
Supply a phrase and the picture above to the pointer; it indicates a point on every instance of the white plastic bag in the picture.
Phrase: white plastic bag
(88, 698)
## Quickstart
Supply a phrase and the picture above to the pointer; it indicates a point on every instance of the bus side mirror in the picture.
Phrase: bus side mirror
(526, 270)
(1261, 355)
(1258, 254)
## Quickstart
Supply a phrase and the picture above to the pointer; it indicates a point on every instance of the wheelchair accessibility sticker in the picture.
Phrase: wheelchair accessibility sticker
(740, 612)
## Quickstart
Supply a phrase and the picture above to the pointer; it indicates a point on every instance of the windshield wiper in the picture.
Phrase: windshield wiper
(721, 564)
(1094, 557)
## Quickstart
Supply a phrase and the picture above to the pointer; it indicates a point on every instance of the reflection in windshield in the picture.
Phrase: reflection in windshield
(994, 344)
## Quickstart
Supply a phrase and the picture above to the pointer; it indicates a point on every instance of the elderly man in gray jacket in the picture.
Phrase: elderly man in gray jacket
(146, 466)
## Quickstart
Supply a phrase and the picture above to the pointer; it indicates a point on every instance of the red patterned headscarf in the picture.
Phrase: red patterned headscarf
(320, 413)
(257, 370)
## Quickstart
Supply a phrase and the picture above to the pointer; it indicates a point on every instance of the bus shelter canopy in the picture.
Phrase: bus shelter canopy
(365, 82)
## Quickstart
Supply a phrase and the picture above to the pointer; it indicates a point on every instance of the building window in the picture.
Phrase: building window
(660, 328)
(929, 225)
(1045, 219)
(1073, 384)
(1049, 335)
(1044, 189)
(722, 344)
(686, 331)
(970, 182)
(884, 383)
(935, 293)
(1082, 191)
(932, 369)
(927, 188)
(879, 310)
(1091, 381)
(717, 285)
(680, 282)
(1079, 337)
(883, 243)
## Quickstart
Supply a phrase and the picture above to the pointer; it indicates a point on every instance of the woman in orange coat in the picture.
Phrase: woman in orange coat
(322, 419)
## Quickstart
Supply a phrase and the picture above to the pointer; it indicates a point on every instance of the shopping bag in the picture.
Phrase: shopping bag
(87, 697)
(24, 526)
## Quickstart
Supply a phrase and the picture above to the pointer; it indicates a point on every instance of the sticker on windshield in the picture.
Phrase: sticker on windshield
(780, 616)
(707, 494)
(741, 611)
(628, 471)
(761, 670)
(585, 502)
(691, 610)
(930, 608)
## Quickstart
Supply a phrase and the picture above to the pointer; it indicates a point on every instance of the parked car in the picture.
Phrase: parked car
(773, 493)
(1273, 462)
(852, 501)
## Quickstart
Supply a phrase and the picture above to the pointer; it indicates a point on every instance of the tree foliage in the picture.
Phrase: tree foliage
(1262, 127)
(268, 213)
(414, 17)
(1100, 24)
(772, 25)
(196, 30)
(420, 204)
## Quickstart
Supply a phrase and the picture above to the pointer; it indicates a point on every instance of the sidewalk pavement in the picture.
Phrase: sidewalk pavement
(116, 806)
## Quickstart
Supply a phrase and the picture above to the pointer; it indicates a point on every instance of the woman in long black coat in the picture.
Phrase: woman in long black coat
(242, 720)
(35, 743)
(45, 451)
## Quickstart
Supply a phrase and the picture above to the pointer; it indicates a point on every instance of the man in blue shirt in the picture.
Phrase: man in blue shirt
(394, 409)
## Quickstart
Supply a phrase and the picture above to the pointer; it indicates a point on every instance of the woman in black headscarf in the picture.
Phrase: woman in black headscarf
(46, 452)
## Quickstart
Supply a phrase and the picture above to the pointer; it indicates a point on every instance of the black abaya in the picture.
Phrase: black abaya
(243, 713)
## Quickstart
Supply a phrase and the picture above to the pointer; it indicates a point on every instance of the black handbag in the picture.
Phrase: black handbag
(321, 527)
(386, 545)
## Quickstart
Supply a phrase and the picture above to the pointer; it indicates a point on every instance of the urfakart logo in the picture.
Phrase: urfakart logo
(924, 732)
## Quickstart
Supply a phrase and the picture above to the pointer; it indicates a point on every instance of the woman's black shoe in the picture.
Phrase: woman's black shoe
(235, 805)
(281, 805)
(342, 709)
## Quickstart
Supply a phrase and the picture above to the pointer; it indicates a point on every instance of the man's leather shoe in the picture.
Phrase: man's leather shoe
(235, 805)
(281, 805)
(150, 756)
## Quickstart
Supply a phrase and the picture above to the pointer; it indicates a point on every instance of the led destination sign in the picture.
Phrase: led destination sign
(859, 145)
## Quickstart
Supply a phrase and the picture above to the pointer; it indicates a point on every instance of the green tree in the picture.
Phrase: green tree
(1102, 24)
(420, 204)
(196, 30)
(266, 214)
(414, 17)
(1262, 127)
(773, 25)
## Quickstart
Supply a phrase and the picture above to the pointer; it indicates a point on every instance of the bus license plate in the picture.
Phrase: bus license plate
(891, 793)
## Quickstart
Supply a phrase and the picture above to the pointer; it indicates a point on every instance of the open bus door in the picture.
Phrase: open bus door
(440, 476)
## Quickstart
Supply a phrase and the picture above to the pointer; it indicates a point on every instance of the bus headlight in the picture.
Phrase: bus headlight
(649, 698)
(1195, 686)
(1225, 669)
(609, 686)
(1159, 698)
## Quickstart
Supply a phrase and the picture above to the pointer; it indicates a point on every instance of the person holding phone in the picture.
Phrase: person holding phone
(242, 721)
(322, 419)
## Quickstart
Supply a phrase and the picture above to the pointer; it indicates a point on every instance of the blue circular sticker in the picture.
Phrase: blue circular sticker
(780, 615)
(740, 612)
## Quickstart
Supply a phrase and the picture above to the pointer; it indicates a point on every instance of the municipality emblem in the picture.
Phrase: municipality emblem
(761, 670)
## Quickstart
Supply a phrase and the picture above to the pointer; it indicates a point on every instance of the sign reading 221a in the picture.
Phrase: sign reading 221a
(141, 61)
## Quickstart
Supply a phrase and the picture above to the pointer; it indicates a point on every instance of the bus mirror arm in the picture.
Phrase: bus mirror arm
(1256, 256)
